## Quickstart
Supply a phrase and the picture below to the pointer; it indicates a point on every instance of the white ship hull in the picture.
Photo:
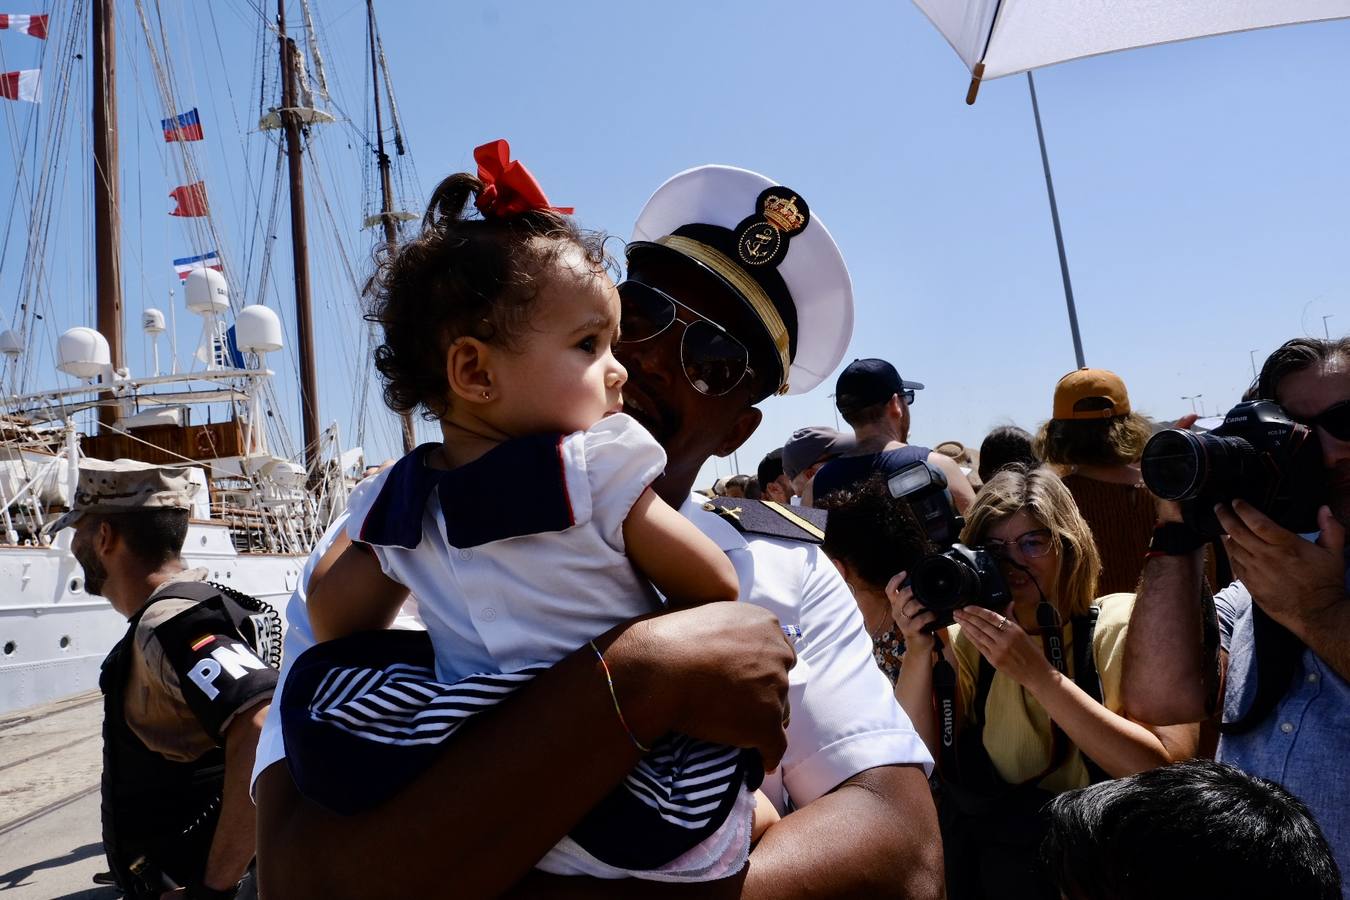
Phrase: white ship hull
(54, 634)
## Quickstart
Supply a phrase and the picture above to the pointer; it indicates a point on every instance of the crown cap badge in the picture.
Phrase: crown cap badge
(762, 239)
(783, 213)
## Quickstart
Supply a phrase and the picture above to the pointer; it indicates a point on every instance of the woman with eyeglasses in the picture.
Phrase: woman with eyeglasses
(1033, 689)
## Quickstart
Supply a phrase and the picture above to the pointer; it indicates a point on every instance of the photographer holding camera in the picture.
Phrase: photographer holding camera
(1031, 706)
(1283, 656)
(868, 536)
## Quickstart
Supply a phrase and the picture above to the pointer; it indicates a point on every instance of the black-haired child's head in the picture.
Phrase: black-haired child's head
(502, 324)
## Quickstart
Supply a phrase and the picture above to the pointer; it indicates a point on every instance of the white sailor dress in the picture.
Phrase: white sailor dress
(516, 560)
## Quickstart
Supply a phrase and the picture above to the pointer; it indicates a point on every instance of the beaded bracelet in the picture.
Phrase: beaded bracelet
(609, 679)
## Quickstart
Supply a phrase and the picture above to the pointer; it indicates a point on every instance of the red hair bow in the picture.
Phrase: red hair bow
(508, 187)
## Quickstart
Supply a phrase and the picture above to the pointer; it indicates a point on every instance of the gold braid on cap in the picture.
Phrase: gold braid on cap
(748, 288)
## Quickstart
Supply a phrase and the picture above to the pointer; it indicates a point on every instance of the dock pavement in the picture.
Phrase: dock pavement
(50, 762)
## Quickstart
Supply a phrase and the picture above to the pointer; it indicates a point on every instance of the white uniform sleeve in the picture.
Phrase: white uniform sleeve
(362, 498)
(846, 719)
(607, 467)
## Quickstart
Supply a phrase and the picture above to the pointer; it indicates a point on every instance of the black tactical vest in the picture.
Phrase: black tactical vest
(159, 816)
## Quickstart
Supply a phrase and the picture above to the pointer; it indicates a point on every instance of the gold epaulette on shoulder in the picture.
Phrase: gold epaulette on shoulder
(769, 519)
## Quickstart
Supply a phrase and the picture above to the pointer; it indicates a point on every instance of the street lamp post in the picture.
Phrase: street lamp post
(1193, 398)
(836, 412)
(1253, 356)
(1326, 331)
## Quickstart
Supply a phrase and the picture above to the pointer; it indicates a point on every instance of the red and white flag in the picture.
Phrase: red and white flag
(33, 26)
(26, 84)
(191, 199)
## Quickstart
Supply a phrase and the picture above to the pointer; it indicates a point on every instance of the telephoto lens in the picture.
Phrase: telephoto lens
(1179, 465)
(1259, 454)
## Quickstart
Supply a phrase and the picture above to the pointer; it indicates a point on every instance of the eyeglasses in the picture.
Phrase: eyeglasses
(1334, 420)
(908, 397)
(1032, 544)
(713, 360)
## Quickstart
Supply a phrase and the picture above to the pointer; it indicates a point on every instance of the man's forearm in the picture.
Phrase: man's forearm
(235, 841)
(1166, 679)
(454, 830)
(876, 835)
(515, 779)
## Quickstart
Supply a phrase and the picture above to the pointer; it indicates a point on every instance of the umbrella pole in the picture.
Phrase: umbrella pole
(1059, 235)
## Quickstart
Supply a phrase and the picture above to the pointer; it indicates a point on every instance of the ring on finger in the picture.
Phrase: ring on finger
(1002, 623)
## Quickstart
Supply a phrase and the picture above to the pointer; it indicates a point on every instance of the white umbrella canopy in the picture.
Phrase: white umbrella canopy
(995, 38)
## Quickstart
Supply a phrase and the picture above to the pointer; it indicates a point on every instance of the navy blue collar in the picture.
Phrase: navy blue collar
(515, 489)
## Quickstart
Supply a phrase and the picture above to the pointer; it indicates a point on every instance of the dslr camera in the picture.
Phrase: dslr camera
(959, 575)
(1259, 454)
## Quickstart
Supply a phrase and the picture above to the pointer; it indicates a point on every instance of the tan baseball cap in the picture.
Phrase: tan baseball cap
(125, 485)
(1090, 394)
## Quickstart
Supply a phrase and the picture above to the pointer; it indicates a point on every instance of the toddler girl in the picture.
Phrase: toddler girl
(529, 531)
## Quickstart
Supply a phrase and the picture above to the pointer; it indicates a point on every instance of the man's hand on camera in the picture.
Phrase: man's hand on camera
(1292, 579)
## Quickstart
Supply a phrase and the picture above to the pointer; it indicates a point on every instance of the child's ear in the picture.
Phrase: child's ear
(468, 370)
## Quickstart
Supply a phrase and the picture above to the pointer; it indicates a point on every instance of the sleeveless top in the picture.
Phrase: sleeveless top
(848, 471)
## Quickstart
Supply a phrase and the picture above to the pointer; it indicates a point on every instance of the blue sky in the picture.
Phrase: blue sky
(1202, 186)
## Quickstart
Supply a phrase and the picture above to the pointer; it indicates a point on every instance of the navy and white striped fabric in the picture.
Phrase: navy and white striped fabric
(404, 704)
(364, 715)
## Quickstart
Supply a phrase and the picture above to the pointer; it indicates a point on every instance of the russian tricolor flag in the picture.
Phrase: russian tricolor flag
(33, 26)
(183, 127)
(185, 265)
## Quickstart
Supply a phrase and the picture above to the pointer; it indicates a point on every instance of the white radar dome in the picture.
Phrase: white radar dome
(11, 342)
(257, 330)
(83, 353)
(285, 472)
(207, 292)
(152, 321)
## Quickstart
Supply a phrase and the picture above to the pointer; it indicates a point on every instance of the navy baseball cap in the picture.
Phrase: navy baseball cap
(867, 382)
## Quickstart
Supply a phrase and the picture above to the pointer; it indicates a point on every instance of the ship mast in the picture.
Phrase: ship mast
(107, 217)
(387, 217)
(309, 391)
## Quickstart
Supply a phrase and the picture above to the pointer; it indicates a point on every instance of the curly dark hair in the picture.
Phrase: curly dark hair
(874, 533)
(461, 276)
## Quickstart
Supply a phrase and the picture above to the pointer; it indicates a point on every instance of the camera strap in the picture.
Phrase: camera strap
(944, 705)
(1052, 642)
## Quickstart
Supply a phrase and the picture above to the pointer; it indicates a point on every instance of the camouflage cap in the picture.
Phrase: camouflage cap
(125, 485)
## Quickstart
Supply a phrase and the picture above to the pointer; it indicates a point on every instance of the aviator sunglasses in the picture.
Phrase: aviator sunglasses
(1334, 420)
(713, 360)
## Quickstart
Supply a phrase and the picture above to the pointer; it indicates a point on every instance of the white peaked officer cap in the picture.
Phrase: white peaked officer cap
(762, 241)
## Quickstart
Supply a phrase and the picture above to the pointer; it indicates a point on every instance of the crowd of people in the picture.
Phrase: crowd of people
(510, 666)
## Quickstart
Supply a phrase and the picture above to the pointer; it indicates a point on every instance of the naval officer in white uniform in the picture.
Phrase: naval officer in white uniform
(735, 292)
